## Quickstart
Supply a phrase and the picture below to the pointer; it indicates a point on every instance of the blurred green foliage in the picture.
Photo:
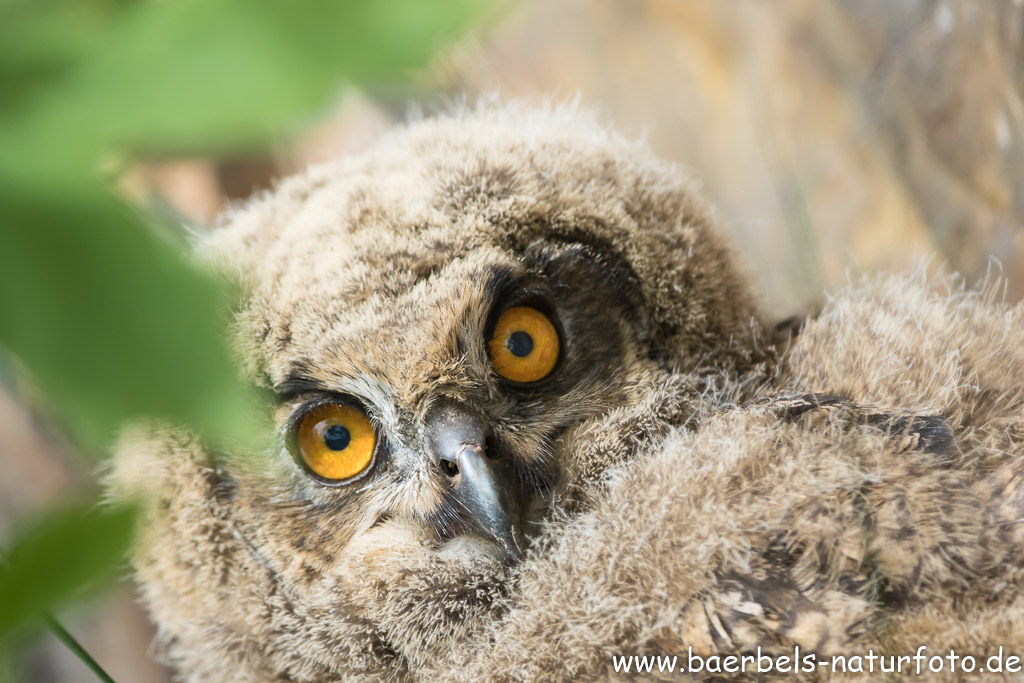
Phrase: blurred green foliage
(58, 557)
(110, 320)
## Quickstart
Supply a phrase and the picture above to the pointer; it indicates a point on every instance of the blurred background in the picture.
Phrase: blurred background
(829, 135)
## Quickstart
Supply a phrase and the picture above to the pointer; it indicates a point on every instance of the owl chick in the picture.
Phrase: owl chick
(879, 518)
(529, 415)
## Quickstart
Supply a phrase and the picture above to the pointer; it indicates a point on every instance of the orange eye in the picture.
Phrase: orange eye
(336, 441)
(524, 346)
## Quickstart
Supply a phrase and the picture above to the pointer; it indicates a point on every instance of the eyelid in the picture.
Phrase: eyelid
(291, 410)
(536, 297)
(304, 404)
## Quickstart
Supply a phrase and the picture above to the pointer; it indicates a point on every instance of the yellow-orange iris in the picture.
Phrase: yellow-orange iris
(336, 441)
(524, 346)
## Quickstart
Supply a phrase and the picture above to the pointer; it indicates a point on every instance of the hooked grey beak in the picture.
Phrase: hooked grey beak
(484, 485)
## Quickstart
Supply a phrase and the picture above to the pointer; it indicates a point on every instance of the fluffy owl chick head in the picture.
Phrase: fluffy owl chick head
(440, 319)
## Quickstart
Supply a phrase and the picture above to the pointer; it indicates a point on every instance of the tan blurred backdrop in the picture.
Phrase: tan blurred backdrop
(829, 134)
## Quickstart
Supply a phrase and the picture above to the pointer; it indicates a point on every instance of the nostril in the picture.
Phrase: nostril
(450, 468)
(489, 448)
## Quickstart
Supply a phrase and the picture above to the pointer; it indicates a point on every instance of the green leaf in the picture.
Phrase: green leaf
(112, 322)
(60, 557)
(214, 74)
(6, 664)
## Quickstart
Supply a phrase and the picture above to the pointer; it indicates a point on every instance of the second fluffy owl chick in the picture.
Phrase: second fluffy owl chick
(638, 473)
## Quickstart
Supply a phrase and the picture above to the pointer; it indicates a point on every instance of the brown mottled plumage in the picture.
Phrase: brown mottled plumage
(692, 478)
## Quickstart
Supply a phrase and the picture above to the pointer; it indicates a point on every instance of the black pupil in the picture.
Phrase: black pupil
(337, 437)
(520, 344)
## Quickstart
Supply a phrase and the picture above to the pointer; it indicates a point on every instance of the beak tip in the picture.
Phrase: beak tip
(485, 489)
